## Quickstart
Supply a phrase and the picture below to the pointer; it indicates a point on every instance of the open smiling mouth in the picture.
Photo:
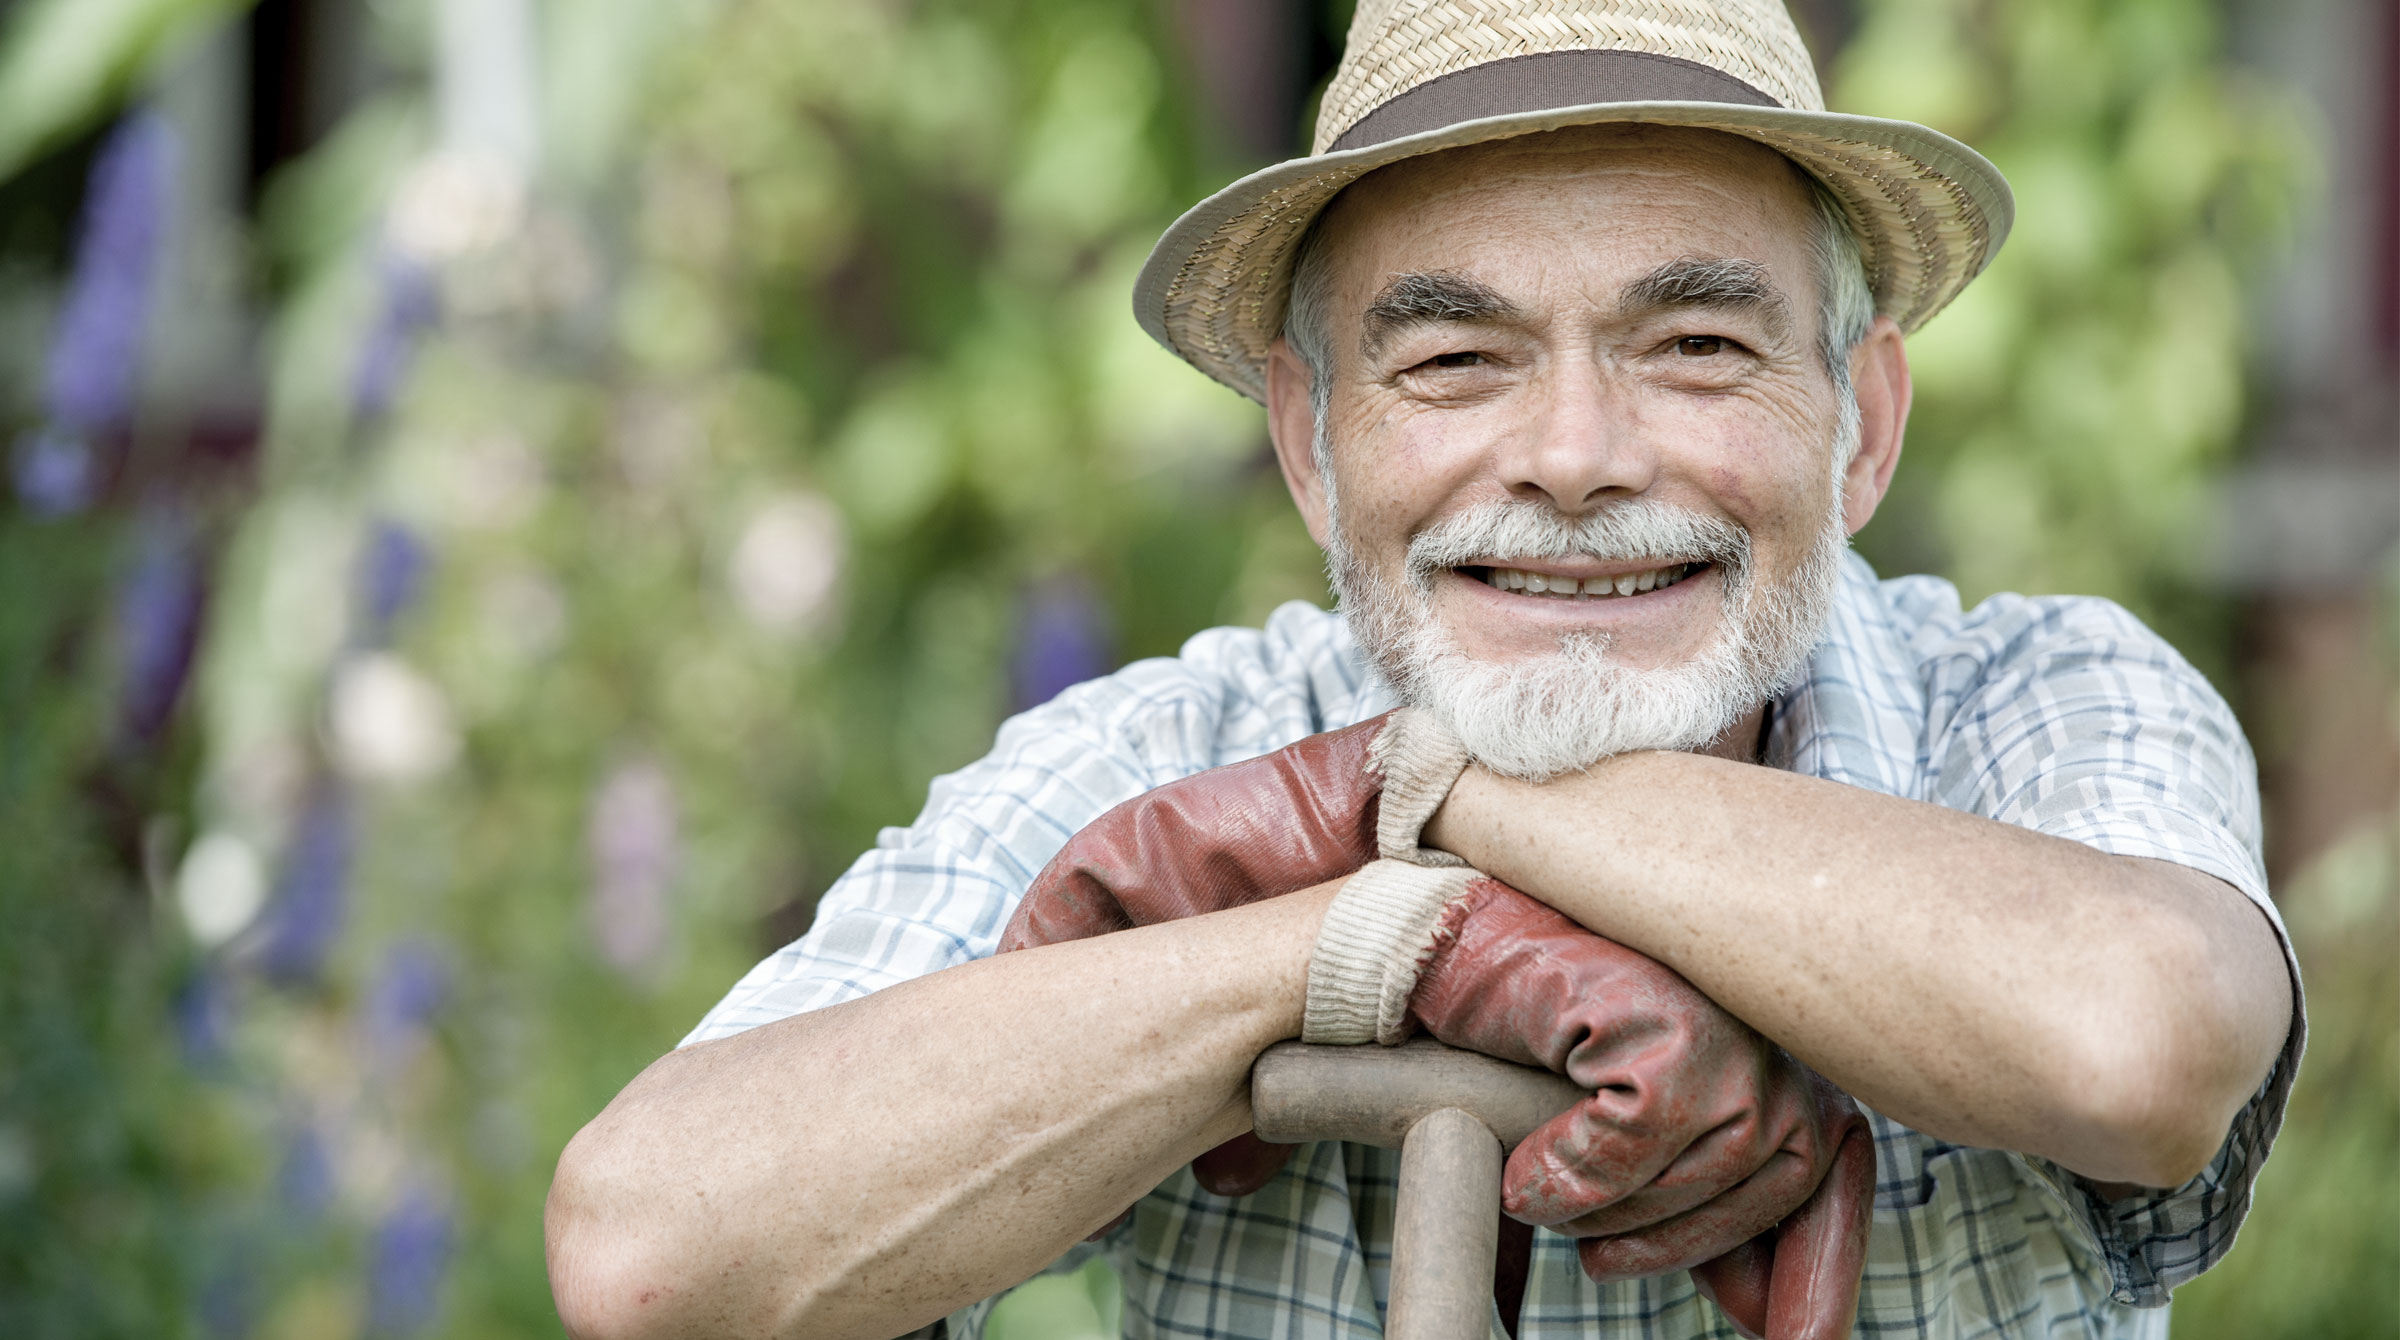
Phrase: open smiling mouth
(1517, 581)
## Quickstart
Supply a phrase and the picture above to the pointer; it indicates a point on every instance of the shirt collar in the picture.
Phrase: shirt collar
(1858, 715)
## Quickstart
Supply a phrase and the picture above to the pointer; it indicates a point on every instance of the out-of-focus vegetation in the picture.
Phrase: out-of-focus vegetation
(679, 445)
(2316, 1256)
(2077, 404)
(65, 61)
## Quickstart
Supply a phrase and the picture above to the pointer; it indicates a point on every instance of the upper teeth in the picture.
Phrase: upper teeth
(1537, 583)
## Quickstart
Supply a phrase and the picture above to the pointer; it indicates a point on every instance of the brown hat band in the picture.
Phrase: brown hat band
(1541, 81)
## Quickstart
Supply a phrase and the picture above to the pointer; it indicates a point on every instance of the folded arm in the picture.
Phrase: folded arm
(860, 1170)
(1978, 981)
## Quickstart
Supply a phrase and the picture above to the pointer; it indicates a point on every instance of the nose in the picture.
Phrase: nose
(1582, 442)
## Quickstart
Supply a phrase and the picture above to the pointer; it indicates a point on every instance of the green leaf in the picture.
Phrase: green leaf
(65, 62)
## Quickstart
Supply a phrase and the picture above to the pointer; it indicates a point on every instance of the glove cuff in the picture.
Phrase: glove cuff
(1376, 936)
(1420, 760)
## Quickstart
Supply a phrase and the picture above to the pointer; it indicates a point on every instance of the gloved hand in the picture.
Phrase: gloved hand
(1309, 812)
(1272, 825)
(1216, 839)
(1700, 1136)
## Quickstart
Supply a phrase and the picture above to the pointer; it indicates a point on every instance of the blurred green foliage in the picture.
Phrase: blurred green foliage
(1083, 1304)
(741, 458)
(64, 62)
(2316, 1256)
(107, 1141)
(2077, 404)
(639, 528)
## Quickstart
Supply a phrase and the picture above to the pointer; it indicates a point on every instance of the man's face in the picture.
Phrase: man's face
(1586, 362)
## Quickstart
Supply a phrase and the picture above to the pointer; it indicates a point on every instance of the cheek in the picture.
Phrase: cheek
(1394, 467)
(1770, 489)
(1770, 478)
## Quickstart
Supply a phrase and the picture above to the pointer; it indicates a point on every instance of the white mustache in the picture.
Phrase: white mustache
(1629, 531)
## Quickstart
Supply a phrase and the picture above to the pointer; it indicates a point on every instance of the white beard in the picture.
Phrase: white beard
(1541, 716)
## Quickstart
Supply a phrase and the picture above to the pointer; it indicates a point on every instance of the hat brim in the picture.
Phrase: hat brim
(1929, 213)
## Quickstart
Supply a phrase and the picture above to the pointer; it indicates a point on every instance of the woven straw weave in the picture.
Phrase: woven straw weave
(1929, 212)
(1396, 45)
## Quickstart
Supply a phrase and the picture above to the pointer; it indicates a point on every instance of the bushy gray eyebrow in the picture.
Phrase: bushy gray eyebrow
(1429, 298)
(1724, 283)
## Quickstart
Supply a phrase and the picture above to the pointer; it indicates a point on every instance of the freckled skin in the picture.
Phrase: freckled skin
(1701, 1137)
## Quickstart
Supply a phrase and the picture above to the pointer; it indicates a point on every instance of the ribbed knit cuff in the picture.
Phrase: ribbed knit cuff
(1375, 938)
(1420, 760)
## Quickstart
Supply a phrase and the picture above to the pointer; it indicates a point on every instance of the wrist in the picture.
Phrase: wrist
(1487, 816)
(1370, 946)
(1453, 826)
(1268, 944)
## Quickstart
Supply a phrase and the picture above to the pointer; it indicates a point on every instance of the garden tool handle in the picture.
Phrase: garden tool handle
(1445, 1229)
(1453, 1115)
(1371, 1095)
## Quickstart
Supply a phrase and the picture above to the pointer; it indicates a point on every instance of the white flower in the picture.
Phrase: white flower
(454, 204)
(787, 561)
(219, 888)
(635, 842)
(389, 723)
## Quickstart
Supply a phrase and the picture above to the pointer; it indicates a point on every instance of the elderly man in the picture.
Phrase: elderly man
(1580, 339)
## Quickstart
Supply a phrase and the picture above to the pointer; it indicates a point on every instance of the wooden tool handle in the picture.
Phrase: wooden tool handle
(1453, 1115)
(1445, 1230)
(1374, 1095)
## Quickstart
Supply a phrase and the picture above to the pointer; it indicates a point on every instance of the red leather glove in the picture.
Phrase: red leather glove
(1273, 825)
(1223, 838)
(1703, 1146)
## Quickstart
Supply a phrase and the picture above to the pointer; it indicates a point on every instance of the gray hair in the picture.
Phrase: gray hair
(1845, 312)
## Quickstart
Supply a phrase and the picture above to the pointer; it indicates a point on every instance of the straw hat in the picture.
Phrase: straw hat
(1423, 75)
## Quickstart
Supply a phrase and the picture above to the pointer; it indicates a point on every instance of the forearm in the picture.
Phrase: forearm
(1977, 981)
(864, 1169)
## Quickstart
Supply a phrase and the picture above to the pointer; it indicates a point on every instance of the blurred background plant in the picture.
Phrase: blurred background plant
(507, 497)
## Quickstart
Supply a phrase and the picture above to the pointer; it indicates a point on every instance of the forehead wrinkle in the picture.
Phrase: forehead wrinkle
(1543, 187)
(1422, 298)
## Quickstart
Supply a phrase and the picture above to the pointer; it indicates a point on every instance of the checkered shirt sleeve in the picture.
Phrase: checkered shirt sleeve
(939, 892)
(2067, 716)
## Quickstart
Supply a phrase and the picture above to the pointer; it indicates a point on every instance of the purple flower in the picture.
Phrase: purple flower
(410, 303)
(1063, 638)
(409, 1256)
(311, 899)
(228, 1304)
(305, 1179)
(158, 622)
(96, 353)
(55, 471)
(391, 574)
(203, 1010)
(409, 990)
(635, 843)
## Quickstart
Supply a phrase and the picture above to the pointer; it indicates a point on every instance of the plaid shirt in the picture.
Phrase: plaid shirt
(2060, 714)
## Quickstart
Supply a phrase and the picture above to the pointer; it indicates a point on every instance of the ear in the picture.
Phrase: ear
(1879, 371)
(1292, 425)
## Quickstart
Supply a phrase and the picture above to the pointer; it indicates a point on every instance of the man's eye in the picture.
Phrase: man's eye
(1699, 346)
(1466, 360)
